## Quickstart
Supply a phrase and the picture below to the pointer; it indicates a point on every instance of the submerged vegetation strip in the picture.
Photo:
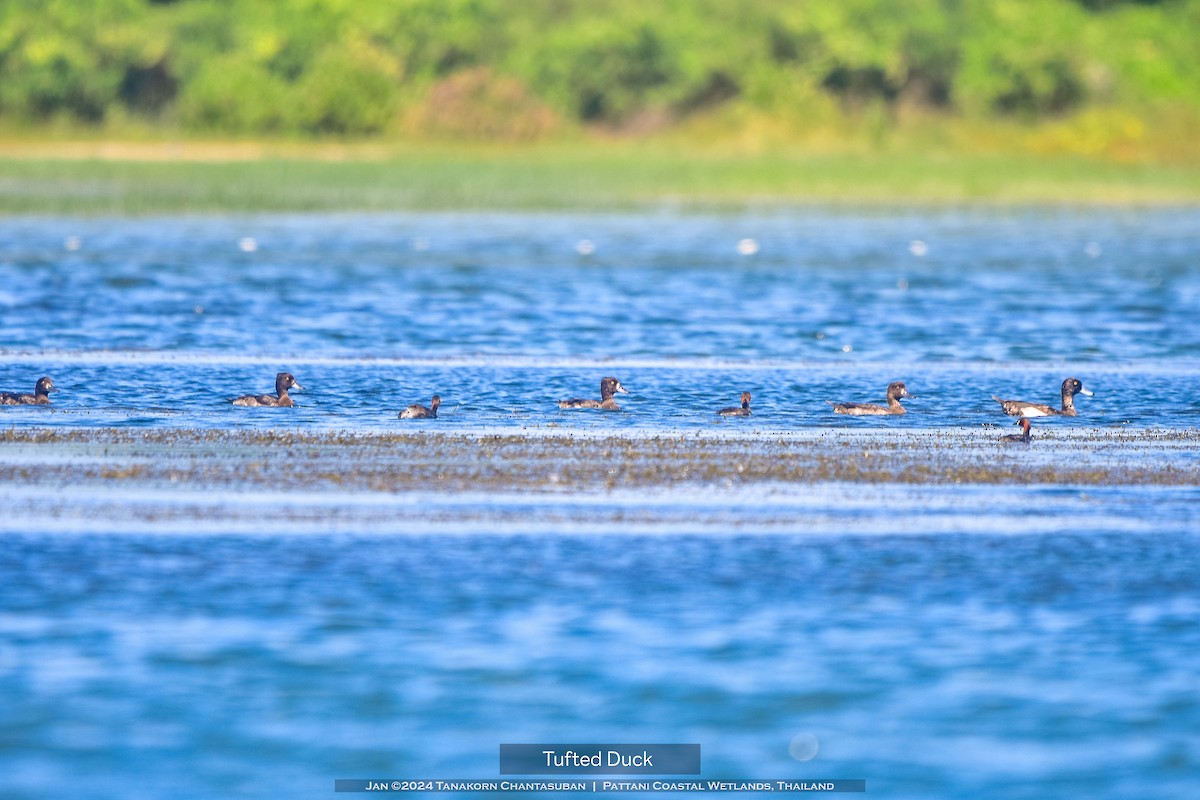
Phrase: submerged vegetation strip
(562, 463)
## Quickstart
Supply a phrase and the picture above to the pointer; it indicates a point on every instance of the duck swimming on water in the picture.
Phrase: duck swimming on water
(1023, 437)
(418, 411)
(283, 382)
(608, 387)
(40, 396)
(895, 391)
(1020, 408)
(738, 411)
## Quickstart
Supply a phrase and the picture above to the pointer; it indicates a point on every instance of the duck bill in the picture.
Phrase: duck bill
(1085, 390)
(297, 386)
(621, 389)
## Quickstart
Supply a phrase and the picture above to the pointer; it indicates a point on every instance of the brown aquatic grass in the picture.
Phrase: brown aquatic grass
(563, 463)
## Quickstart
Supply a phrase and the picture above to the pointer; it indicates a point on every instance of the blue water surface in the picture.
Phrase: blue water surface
(160, 321)
(937, 641)
(930, 666)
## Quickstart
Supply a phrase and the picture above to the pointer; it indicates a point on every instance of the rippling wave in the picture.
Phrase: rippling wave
(987, 286)
(160, 637)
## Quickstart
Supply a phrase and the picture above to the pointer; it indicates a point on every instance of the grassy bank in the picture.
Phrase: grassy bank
(101, 179)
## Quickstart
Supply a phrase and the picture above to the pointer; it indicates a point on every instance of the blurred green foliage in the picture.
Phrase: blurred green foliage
(521, 69)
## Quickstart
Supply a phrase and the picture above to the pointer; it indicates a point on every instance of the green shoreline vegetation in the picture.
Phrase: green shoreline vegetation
(574, 179)
(202, 106)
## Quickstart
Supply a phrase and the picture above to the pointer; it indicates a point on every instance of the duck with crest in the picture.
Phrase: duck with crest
(283, 382)
(895, 391)
(1021, 408)
(40, 396)
(608, 387)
